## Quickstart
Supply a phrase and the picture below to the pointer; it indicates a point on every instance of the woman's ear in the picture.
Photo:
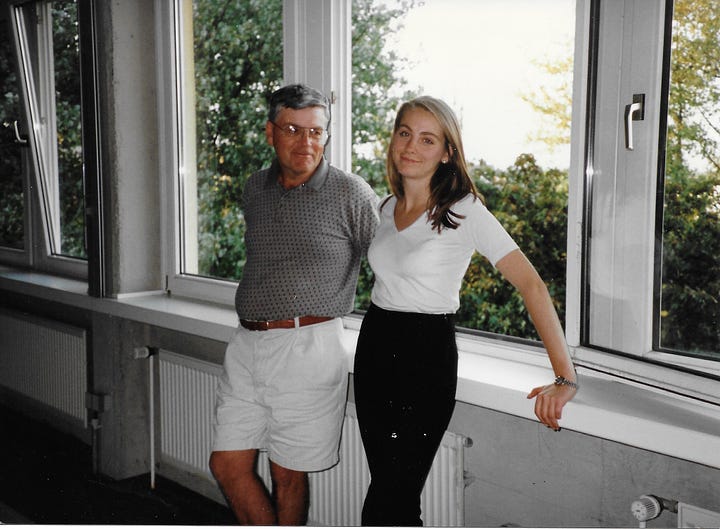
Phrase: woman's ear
(450, 152)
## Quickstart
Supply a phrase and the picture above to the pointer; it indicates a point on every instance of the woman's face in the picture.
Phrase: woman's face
(418, 145)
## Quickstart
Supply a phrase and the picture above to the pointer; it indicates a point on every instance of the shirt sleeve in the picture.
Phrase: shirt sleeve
(486, 233)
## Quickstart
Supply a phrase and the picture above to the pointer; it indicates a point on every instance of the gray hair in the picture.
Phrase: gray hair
(297, 96)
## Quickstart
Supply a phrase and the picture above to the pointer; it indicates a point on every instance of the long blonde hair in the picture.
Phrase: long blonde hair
(451, 182)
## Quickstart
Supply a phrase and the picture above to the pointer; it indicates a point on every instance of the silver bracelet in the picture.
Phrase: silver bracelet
(562, 381)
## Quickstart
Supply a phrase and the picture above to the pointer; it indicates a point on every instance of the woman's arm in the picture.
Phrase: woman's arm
(551, 399)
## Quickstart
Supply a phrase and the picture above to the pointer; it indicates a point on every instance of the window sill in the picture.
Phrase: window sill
(493, 374)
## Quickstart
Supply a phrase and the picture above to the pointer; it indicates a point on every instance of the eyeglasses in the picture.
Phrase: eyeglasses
(296, 131)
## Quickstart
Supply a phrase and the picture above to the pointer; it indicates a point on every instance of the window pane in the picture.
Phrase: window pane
(510, 85)
(51, 73)
(12, 206)
(690, 297)
(231, 61)
(66, 61)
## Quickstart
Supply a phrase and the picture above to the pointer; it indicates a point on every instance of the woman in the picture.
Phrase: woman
(406, 361)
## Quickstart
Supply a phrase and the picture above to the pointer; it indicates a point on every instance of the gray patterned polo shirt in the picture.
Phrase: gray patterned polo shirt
(304, 244)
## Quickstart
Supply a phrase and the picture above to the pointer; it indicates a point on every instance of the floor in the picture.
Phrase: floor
(46, 478)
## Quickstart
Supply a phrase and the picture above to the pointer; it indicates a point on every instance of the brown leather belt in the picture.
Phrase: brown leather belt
(291, 323)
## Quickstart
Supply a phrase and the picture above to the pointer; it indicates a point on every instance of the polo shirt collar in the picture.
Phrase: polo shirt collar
(316, 180)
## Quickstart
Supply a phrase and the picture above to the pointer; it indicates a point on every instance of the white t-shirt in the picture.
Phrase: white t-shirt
(420, 270)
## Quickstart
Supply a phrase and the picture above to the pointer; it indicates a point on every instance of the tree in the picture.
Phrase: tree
(554, 103)
(694, 102)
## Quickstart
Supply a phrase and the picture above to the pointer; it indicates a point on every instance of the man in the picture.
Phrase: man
(285, 379)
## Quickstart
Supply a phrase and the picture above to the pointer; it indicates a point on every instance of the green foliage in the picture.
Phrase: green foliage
(69, 128)
(531, 203)
(11, 198)
(690, 301)
(691, 268)
(238, 64)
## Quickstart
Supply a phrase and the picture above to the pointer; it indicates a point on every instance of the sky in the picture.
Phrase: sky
(477, 55)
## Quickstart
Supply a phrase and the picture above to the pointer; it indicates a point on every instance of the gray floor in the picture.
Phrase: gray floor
(9, 515)
(46, 478)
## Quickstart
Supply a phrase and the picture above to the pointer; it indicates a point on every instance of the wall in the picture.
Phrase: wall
(519, 473)
(523, 474)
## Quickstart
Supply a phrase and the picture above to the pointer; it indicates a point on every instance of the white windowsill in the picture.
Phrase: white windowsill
(493, 374)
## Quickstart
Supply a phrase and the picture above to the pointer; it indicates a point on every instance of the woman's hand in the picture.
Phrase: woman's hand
(549, 403)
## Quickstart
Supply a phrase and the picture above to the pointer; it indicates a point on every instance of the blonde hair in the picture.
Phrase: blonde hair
(451, 182)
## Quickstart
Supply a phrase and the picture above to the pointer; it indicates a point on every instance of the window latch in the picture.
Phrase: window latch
(635, 111)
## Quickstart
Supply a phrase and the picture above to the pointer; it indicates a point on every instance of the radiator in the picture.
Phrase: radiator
(46, 361)
(187, 391)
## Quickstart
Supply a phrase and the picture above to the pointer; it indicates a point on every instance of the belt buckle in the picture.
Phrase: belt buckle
(264, 325)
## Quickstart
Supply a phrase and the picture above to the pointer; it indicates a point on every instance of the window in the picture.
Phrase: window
(229, 58)
(223, 60)
(579, 202)
(653, 262)
(510, 85)
(621, 201)
(47, 88)
(232, 60)
(688, 304)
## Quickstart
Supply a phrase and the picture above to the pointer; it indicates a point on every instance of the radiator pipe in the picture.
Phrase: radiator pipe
(96, 404)
(95, 442)
(151, 414)
(150, 353)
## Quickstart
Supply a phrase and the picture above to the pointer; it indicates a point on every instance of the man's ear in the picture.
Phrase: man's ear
(269, 133)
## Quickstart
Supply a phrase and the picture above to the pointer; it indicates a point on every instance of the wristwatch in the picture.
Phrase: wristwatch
(562, 381)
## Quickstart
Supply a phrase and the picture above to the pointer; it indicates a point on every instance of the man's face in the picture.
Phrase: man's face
(300, 154)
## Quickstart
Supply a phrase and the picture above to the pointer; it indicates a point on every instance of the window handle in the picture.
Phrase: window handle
(635, 111)
(18, 139)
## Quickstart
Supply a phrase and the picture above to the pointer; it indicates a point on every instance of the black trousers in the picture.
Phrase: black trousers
(405, 379)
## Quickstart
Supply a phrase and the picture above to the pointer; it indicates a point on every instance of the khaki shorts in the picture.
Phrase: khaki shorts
(284, 390)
